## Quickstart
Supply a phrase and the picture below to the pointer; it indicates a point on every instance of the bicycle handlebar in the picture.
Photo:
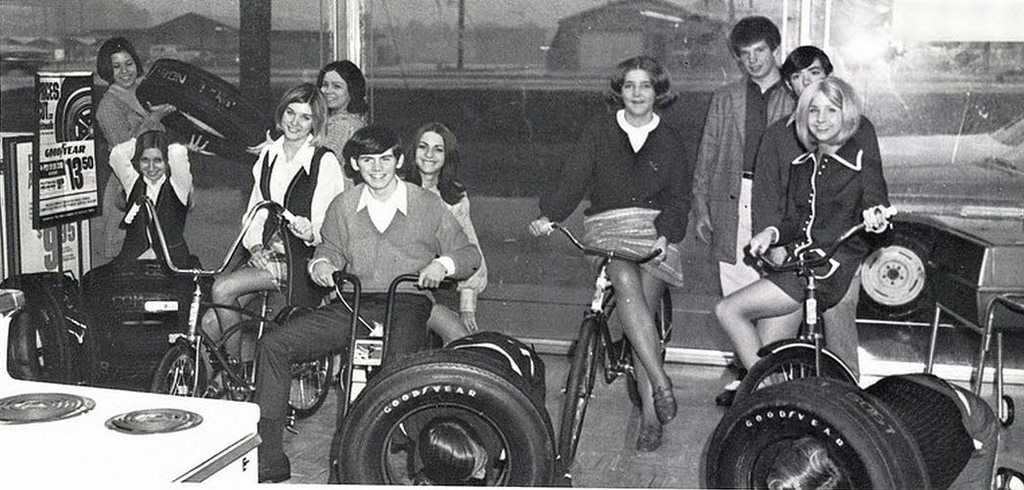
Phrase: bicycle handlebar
(802, 262)
(608, 254)
(246, 224)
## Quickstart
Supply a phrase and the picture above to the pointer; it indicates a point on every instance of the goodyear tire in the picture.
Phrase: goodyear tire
(74, 113)
(207, 105)
(45, 341)
(796, 361)
(864, 438)
(374, 442)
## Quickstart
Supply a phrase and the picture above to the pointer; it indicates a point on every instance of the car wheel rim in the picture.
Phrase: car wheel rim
(893, 276)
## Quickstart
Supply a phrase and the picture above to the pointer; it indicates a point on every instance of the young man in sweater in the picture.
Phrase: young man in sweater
(377, 231)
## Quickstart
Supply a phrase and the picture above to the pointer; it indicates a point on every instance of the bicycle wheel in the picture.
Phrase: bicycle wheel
(792, 362)
(663, 323)
(311, 381)
(180, 373)
(578, 387)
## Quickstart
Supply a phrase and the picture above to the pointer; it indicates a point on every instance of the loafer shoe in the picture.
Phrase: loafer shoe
(649, 438)
(665, 404)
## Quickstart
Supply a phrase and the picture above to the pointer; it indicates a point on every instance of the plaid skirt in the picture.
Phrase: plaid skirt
(277, 261)
(631, 231)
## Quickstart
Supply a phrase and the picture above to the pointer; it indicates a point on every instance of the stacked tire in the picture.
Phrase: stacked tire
(207, 105)
(491, 381)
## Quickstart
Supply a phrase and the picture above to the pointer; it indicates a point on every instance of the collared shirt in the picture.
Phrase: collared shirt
(756, 120)
(637, 134)
(383, 212)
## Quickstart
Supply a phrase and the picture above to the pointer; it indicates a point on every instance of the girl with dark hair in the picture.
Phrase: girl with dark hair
(344, 88)
(148, 165)
(302, 175)
(633, 165)
(436, 164)
(121, 117)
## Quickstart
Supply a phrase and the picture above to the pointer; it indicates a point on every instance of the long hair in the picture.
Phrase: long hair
(451, 190)
(840, 94)
(110, 47)
(804, 465)
(354, 79)
(151, 139)
(306, 93)
(445, 446)
(663, 95)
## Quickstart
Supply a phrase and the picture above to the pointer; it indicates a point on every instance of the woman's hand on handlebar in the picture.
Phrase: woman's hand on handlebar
(541, 226)
(659, 247)
(323, 273)
(761, 242)
(431, 275)
(301, 227)
(876, 218)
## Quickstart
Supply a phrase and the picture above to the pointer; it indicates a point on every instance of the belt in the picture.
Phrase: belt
(748, 175)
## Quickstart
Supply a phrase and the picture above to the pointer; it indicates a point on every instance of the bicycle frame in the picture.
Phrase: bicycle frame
(194, 335)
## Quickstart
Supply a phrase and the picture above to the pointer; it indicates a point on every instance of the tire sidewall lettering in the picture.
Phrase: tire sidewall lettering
(434, 389)
(770, 416)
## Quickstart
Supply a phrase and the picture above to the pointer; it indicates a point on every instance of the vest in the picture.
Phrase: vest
(298, 199)
(172, 214)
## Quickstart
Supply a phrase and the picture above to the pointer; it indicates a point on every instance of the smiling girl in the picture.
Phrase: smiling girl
(149, 166)
(299, 173)
(835, 184)
(437, 160)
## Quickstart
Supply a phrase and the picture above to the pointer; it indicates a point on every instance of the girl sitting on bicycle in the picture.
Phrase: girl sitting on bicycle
(635, 167)
(297, 172)
(149, 165)
(833, 186)
(437, 160)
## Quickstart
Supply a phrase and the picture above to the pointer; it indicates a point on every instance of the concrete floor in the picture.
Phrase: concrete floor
(607, 456)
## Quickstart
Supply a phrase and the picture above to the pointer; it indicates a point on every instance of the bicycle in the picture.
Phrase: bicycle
(595, 343)
(803, 356)
(195, 358)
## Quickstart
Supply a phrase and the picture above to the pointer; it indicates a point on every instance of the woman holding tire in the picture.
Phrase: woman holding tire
(835, 184)
(121, 117)
(436, 165)
(634, 165)
(302, 175)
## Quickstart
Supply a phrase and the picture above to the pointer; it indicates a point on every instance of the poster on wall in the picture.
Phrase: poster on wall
(56, 248)
(64, 178)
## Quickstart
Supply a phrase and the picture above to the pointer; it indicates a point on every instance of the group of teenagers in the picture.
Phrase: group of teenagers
(357, 201)
(786, 163)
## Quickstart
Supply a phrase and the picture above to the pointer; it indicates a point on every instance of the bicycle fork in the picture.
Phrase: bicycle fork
(811, 317)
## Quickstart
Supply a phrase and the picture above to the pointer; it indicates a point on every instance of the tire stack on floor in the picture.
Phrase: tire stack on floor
(492, 382)
(125, 341)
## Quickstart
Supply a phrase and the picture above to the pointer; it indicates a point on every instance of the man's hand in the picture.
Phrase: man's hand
(301, 227)
(431, 275)
(541, 226)
(703, 216)
(323, 273)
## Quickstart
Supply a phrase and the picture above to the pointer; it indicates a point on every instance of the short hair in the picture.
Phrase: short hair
(447, 184)
(306, 93)
(445, 446)
(802, 57)
(804, 465)
(837, 92)
(150, 139)
(353, 77)
(751, 30)
(659, 78)
(371, 140)
(110, 47)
